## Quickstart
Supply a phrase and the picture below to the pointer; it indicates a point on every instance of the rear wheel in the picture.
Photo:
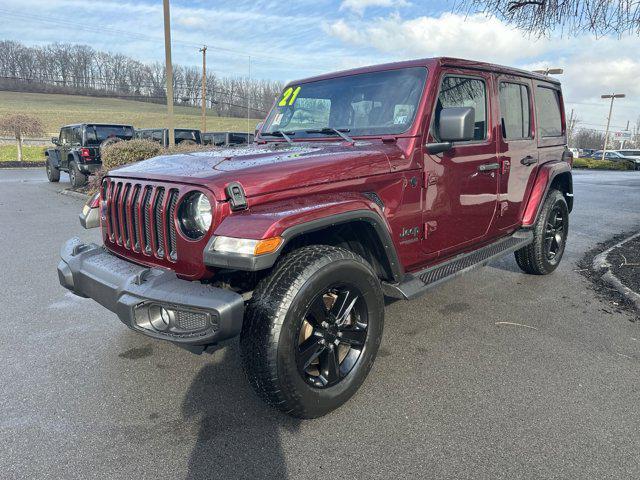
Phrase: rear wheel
(53, 174)
(312, 330)
(76, 177)
(549, 237)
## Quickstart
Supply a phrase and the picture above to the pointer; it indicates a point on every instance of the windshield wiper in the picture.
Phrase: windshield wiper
(279, 133)
(329, 130)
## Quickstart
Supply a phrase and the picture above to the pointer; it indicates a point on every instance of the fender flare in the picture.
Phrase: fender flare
(354, 208)
(544, 179)
(53, 155)
(74, 157)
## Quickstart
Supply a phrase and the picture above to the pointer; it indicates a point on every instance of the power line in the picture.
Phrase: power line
(107, 84)
(141, 97)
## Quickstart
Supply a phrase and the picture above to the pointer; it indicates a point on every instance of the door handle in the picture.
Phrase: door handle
(528, 160)
(487, 167)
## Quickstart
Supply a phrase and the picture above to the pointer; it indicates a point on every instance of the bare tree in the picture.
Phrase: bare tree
(81, 70)
(572, 16)
(587, 138)
(19, 125)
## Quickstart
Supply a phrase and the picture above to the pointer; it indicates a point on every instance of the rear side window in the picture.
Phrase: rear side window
(465, 92)
(548, 110)
(514, 106)
(76, 136)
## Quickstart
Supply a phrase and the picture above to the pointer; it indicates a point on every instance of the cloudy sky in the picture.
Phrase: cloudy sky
(289, 40)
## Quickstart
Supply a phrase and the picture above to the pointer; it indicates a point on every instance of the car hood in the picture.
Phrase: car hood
(267, 168)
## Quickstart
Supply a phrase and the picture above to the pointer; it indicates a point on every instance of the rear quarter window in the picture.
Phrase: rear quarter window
(548, 112)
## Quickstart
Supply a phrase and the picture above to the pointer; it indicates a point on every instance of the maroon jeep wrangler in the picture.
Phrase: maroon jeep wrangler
(379, 181)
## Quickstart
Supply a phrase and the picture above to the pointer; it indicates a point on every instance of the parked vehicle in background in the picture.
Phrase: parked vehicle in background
(161, 135)
(586, 153)
(632, 154)
(226, 139)
(385, 180)
(575, 152)
(613, 156)
(78, 149)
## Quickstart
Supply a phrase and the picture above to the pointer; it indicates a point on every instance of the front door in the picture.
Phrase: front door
(461, 184)
(517, 149)
(65, 146)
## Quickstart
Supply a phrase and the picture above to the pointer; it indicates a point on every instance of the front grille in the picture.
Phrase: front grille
(141, 217)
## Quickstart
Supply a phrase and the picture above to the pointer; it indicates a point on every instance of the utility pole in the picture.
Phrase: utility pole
(606, 134)
(570, 129)
(249, 102)
(624, 140)
(204, 88)
(169, 71)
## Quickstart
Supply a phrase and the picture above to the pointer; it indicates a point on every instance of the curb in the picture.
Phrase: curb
(71, 193)
(600, 263)
(14, 167)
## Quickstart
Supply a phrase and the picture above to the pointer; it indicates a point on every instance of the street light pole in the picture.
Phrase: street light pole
(204, 88)
(606, 134)
(169, 70)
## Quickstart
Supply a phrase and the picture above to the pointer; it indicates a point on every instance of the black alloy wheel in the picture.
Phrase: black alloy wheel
(332, 336)
(555, 233)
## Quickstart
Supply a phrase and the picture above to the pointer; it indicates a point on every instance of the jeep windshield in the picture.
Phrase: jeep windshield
(96, 134)
(377, 103)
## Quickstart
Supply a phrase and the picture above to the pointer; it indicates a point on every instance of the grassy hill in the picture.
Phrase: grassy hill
(56, 110)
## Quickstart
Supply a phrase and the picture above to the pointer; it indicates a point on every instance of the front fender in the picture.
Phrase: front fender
(54, 156)
(291, 218)
(546, 173)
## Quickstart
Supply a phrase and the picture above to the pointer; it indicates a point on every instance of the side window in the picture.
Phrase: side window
(157, 135)
(465, 92)
(548, 112)
(64, 136)
(76, 137)
(514, 107)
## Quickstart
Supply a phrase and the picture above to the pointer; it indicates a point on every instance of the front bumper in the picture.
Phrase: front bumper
(202, 314)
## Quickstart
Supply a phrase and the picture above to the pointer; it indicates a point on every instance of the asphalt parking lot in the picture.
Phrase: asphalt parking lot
(458, 391)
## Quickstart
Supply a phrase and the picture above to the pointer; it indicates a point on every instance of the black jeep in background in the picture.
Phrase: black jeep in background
(225, 139)
(77, 149)
(161, 135)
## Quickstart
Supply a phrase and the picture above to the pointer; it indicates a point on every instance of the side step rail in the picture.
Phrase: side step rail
(417, 283)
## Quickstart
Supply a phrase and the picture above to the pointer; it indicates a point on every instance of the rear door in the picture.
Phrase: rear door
(517, 149)
(461, 184)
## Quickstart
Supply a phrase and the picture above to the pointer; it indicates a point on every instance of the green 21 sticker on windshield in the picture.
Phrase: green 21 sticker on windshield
(289, 96)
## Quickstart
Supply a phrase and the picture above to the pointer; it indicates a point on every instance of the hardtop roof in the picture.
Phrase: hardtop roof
(430, 63)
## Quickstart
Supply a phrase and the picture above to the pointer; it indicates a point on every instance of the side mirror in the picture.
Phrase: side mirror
(258, 128)
(457, 124)
(55, 140)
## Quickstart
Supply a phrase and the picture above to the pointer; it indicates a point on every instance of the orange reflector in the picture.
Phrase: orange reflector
(267, 245)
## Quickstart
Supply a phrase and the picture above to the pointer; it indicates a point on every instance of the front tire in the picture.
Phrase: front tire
(77, 178)
(312, 330)
(549, 237)
(53, 174)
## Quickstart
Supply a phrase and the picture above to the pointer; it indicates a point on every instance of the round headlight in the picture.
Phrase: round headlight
(195, 215)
